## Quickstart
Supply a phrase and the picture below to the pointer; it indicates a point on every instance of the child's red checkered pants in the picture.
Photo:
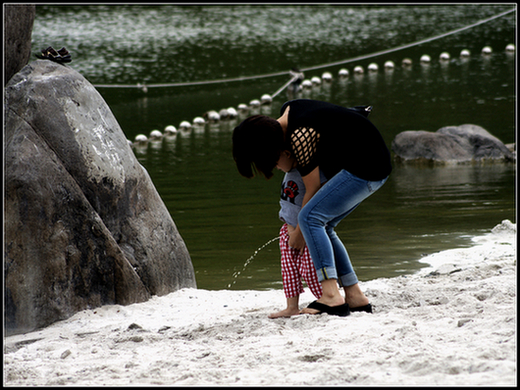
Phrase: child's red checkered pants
(295, 266)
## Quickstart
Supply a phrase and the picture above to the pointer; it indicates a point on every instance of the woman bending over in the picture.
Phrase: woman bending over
(351, 153)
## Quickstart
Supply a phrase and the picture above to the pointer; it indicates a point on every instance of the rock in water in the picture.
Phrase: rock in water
(84, 224)
(452, 144)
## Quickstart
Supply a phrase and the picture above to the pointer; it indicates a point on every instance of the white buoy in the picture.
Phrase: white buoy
(445, 56)
(359, 69)
(266, 99)
(407, 62)
(389, 65)
(510, 47)
(212, 116)
(243, 107)
(141, 138)
(232, 113)
(465, 53)
(306, 84)
(199, 121)
(170, 130)
(343, 73)
(223, 114)
(155, 134)
(185, 125)
(487, 50)
(254, 103)
(425, 58)
(315, 80)
(327, 77)
(373, 67)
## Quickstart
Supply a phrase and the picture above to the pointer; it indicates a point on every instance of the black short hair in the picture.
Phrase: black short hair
(257, 144)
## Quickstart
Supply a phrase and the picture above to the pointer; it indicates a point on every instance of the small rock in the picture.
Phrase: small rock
(134, 326)
(164, 328)
(65, 354)
(463, 322)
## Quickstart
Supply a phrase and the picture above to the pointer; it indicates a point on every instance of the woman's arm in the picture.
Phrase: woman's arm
(312, 185)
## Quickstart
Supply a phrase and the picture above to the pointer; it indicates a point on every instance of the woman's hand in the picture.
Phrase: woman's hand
(296, 239)
(312, 185)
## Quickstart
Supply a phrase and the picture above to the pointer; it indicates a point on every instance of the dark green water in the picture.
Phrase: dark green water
(223, 217)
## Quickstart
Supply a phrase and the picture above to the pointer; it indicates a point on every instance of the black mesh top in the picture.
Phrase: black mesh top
(335, 138)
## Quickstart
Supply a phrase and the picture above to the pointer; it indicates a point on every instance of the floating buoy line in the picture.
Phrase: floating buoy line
(317, 67)
(297, 82)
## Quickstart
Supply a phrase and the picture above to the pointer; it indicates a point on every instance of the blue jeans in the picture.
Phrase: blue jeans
(318, 218)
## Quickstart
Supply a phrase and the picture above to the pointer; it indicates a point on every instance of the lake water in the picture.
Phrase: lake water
(223, 217)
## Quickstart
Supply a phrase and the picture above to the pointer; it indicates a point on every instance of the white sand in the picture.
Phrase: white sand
(455, 327)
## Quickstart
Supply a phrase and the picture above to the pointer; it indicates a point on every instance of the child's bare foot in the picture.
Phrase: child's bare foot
(285, 313)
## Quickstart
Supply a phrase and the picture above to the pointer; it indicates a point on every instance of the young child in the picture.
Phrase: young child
(295, 264)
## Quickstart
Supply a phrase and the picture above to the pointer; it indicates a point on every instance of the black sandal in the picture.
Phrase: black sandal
(366, 308)
(60, 56)
(341, 310)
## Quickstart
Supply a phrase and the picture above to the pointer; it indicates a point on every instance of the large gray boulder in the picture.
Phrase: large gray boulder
(451, 144)
(84, 224)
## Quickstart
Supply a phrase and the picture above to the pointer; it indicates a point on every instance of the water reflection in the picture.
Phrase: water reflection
(423, 210)
(223, 217)
(419, 211)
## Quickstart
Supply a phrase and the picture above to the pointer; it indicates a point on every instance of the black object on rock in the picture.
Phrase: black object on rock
(60, 56)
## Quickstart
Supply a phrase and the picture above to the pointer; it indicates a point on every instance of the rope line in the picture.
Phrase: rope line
(285, 86)
(363, 57)
(190, 83)
(379, 53)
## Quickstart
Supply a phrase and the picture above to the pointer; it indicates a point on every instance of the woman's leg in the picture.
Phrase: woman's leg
(344, 268)
(335, 200)
(328, 206)
(346, 275)
(355, 297)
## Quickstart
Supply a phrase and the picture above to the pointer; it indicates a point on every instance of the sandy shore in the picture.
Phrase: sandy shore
(451, 324)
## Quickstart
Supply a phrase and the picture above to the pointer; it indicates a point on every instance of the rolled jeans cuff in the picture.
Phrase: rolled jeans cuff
(348, 280)
(326, 273)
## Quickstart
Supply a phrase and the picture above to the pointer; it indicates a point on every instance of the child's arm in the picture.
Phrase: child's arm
(312, 185)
